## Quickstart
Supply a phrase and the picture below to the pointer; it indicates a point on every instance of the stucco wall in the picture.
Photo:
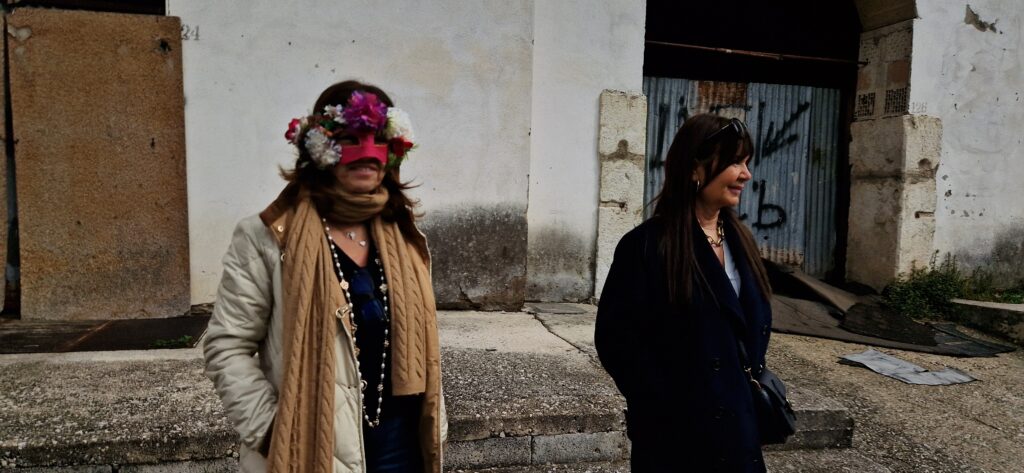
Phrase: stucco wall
(580, 49)
(968, 71)
(462, 70)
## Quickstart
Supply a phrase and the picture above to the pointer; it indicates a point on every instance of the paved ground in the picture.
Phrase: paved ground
(503, 364)
(974, 427)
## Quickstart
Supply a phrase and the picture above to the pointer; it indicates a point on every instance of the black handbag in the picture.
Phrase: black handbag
(776, 420)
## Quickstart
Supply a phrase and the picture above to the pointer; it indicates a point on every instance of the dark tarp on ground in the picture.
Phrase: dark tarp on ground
(844, 316)
(26, 336)
(803, 317)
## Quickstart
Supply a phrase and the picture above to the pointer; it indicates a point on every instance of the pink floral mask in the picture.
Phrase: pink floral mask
(363, 118)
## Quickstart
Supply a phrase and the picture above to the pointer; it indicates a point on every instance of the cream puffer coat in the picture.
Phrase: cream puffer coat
(247, 321)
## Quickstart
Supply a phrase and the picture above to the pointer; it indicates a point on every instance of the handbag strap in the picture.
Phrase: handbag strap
(745, 360)
(741, 348)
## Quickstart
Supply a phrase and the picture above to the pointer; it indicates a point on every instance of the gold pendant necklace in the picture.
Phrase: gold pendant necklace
(721, 236)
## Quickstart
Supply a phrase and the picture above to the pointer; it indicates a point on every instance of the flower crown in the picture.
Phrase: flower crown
(363, 117)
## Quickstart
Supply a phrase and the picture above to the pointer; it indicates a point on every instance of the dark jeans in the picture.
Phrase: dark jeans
(394, 445)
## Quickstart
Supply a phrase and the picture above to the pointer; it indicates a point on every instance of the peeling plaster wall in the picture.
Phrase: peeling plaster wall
(462, 70)
(580, 49)
(968, 71)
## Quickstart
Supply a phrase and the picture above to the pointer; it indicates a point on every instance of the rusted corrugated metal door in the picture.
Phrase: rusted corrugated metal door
(790, 205)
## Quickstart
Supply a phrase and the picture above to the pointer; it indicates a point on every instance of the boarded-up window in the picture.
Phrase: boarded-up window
(98, 122)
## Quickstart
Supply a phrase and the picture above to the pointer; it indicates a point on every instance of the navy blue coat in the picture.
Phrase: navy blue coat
(689, 406)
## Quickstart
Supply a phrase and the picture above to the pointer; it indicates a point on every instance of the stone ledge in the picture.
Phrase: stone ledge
(518, 392)
(504, 452)
(1001, 320)
(821, 422)
(487, 453)
(56, 412)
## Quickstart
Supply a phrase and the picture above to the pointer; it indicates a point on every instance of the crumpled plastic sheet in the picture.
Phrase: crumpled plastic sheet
(905, 371)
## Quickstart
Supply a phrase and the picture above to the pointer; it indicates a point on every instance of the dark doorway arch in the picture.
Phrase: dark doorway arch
(828, 31)
(790, 70)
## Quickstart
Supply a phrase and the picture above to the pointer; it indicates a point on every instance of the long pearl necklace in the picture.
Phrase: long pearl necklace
(387, 321)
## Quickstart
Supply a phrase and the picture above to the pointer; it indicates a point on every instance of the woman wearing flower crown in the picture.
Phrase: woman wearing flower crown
(684, 320)
(330, 286)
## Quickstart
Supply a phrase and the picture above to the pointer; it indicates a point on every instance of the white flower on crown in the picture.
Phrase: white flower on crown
(334, 111)
(398, 125)
(324, 151)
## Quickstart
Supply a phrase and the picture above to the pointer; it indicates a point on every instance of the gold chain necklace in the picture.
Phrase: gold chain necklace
(721, 236)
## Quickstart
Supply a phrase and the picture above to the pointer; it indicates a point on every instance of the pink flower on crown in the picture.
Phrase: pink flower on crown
(365, 113)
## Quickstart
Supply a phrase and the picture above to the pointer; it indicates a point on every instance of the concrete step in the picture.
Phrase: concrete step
(793, 461)
(993, 318)
(597, 467)
(521, 392)
(519, 396)
(841, 460)
(821, 422)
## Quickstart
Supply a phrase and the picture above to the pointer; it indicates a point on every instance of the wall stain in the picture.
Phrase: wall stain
(622, 152)
(559, 266)
(1005, 262)
(479, 256)
(972, 18)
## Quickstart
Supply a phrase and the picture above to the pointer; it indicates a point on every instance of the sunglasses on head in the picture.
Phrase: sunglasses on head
(735, 126)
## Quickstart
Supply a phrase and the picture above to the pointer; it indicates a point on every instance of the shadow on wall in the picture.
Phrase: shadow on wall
(1006, 261)
(560, 266)
(479, 256)
(1008, 256)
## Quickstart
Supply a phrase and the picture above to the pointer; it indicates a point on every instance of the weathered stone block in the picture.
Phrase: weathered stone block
(922, 145)
(488, 453)
(622, 181)
(614, 222)
(623, 117)
(621, 145)
(907, 145)
(100, 150)
(892, 202)
(917, 224)
(877, 148)
(67, 469)
(223, 465)
(580, 447)
(872, 250)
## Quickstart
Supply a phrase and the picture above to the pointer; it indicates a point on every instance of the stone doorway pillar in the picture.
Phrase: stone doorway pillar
(893, 154)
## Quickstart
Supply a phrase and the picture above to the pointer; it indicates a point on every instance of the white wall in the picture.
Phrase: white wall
(462, 69)
(581, 48)
(973, 81)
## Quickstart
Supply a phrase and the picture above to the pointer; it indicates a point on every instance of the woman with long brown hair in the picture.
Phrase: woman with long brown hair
(686, 296)
(330, 287)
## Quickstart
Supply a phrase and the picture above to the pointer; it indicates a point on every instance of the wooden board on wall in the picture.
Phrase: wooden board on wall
(3, 181)
(98, 120)
(147, 7)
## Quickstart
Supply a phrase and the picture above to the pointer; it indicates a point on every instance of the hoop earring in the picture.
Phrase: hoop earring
(698, 185)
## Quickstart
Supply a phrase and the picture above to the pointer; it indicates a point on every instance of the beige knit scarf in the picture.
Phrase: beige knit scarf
(303, 435)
